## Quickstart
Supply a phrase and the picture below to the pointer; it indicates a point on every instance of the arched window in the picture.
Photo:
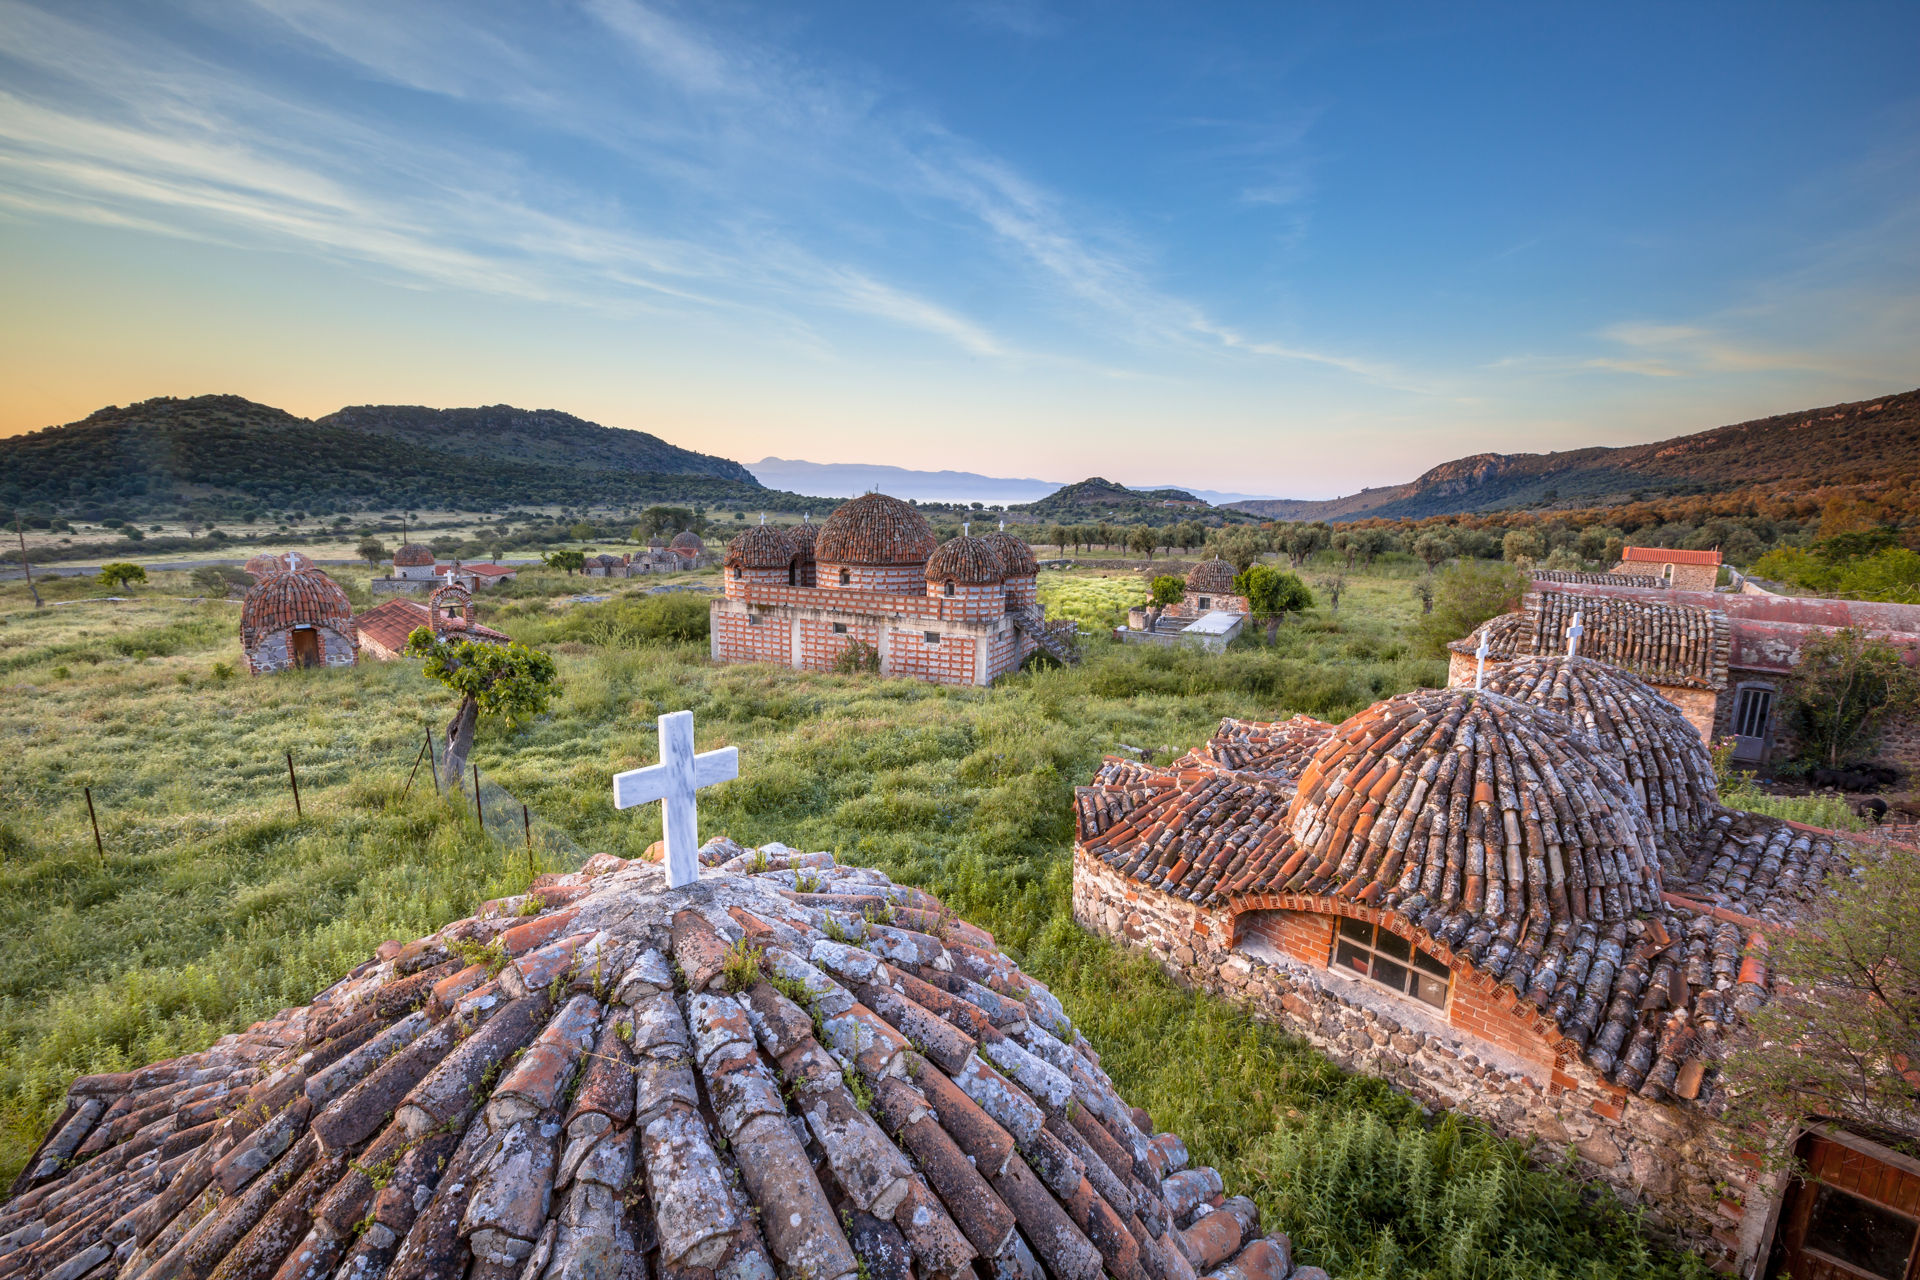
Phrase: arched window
(949, 587)
(736, 570)
(846, 577)
(793, 573)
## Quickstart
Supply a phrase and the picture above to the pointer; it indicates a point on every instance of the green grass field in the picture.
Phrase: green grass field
(214, 906)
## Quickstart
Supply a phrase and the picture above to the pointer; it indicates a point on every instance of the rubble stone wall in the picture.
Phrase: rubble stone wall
(275, 650)
(1484, 1057)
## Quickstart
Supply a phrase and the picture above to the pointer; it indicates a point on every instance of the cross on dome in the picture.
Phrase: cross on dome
(1480, 670)
(675, 780)
(1574, 632)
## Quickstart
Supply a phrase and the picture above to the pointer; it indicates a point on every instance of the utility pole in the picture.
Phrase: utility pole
(20, 529)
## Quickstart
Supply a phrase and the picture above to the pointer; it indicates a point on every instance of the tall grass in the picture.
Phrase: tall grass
(215, 907)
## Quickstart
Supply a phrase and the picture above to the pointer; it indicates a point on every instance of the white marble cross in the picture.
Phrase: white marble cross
(1480, 671)
(1574, 633)
(674, 780)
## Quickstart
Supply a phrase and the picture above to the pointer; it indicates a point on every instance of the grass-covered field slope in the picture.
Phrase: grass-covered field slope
(215, 907)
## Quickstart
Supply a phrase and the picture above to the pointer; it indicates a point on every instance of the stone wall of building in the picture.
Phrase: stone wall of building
(822, 640)
(979, 602)
(908, 579)
(1486, 1056)
(796, 627)
(751, 637)
(1197, 603)
(275, 650)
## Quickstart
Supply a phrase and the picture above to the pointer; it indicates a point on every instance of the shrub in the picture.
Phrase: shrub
(1466, 595)
(858, 658)
(120, 573)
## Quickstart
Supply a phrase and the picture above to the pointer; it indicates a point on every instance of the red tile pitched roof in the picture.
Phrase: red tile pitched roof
(388, 625)
(1669, 555)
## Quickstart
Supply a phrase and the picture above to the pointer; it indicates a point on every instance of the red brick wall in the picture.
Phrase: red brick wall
(1022, 590)
(976, 603)
(738, 580)
(908, 579)
(1298, 935)
(820, 644)
(949, 662)
(737, 640)
(1005, 654)
(1498, 1017)
(843, 601)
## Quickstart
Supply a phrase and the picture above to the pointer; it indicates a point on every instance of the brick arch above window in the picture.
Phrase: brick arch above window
(1303, 927)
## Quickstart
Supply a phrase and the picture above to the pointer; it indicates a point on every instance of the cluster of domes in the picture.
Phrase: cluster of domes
(882, 532)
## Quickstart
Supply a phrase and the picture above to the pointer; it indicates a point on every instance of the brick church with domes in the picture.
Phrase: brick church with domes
(964, 611)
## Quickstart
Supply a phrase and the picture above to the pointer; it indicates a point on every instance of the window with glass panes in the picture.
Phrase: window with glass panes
(1382, 956)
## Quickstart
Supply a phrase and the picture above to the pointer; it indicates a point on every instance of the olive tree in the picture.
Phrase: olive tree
(1841, 1034)
(120, 573)
(1847, 685)
(1167, 589)
(1272, 594)
(510, 681)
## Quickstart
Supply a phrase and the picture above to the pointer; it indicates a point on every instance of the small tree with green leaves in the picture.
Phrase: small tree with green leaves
(1272, 594)
(1166, 590)
(1432, 549)
(1466, 595)
(1058, 535)
(120, 573)
(1141, 541)
(510, 681)
(1847, 685)
(1841, 1035)
(372, 550)
(571, 561)
(1332, 586)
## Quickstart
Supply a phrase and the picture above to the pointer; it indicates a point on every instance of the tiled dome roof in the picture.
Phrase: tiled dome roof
(261, 566)
(687, 541)
(966, 560)
(802, 537)
(877, 530)
(1540, 815)
(1507, 634)
(1650, 737)
(761, 547)
(631, 1081)
(1014, 553)
(411, 555)
(295, 597)
(1215, 576)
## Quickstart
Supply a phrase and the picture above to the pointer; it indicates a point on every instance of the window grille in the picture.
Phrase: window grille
(839, 628)
(932, 637)
(1206, 602)
(1384, 957)
(1751, 711)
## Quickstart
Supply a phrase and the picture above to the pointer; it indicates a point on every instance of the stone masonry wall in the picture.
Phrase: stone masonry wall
(274, 652)
(1485, 1057)
(948, 662)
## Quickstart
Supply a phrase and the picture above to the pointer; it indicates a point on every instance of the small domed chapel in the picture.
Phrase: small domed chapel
(964, 611)
(1523, 903)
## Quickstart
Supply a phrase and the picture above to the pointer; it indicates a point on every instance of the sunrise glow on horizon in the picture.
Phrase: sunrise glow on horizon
(1291, 253)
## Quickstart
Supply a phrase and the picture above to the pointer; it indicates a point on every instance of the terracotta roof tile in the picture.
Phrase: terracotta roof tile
(875, 530)
(302, 596)
(966, 560)
(604, 1123)
(1668, 555)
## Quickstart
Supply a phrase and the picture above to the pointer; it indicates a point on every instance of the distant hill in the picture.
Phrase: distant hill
(1858, 443)
(227, 454)
(1096, 499)
(851, 479)
(544, 436)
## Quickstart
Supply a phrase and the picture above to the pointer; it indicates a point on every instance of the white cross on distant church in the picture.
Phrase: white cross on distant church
(1574, 632)
(674, 780)
(1480, 670)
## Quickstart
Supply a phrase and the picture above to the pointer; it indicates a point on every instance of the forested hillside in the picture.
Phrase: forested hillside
(1864, 443)
(226, 455)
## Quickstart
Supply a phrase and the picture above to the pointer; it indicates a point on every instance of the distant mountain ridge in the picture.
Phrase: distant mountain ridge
(225, 454)
(1855, 443)
(851, 479)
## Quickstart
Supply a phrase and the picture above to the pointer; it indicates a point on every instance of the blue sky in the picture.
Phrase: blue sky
(1279, 248)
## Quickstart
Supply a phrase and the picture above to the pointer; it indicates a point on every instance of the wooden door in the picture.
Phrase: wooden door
(305, 648)
(1854, 1214)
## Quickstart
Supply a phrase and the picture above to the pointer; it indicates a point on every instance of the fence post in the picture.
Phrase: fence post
(418, 756)
(477, 811)
(295, 780)
(526, 822)
(98, 848)
(432, 764)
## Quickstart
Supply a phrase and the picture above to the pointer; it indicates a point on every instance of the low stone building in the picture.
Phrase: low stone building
(1529, 909)
(744, 1078)
(1724, 657)
(449, 611)
(297, 618)
(1209, 590)
(961, 612)
(1675, 568)
(1681, 650)
(692, 550)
